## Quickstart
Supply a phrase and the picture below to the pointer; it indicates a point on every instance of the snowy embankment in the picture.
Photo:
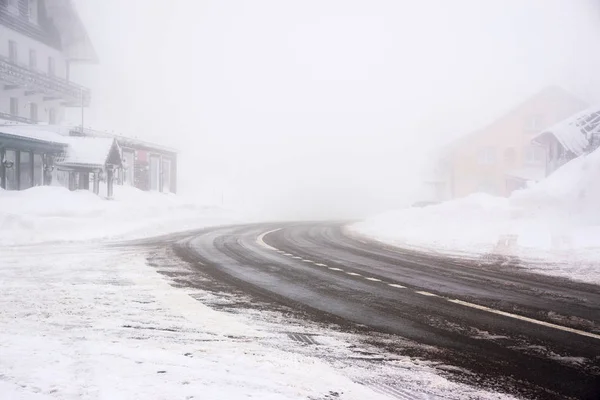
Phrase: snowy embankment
(43, 214)
(553, 227)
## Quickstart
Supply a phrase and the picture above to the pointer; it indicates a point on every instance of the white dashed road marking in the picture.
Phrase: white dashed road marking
(261, 242)
(533, 321)
(426, 293)
(396, 286)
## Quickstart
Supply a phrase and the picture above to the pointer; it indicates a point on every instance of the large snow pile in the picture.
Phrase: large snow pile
(554, 226)
(49, 213)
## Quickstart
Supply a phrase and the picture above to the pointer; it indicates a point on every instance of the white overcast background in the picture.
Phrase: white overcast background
(324, 108)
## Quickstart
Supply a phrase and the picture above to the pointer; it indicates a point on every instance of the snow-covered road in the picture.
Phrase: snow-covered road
(90, 322)
(97, 322)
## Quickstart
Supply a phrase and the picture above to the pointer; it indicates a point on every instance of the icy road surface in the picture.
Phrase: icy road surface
(501, 326)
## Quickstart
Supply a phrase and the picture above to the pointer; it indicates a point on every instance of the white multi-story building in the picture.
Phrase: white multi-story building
(39, 42)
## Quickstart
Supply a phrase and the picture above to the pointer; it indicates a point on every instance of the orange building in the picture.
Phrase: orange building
(501, 157)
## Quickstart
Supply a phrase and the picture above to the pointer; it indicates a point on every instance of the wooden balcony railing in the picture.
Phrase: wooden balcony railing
(37, 82)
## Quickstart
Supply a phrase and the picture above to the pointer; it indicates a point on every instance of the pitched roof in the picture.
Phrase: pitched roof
(89, 151)
(575, 132)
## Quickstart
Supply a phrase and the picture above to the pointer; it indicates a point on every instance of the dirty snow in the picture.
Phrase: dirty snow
(553, 226)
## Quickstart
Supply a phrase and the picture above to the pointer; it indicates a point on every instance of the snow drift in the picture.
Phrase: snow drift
(48, 213)
(553, 226)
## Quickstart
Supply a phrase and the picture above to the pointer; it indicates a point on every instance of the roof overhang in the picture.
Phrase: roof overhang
(75, 40)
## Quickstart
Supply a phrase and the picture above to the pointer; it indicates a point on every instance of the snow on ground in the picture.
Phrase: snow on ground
(83, 321)
(553, 227)
(49, 213)
(91, 324)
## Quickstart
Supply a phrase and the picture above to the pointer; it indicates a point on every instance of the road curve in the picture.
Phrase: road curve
(523, 333)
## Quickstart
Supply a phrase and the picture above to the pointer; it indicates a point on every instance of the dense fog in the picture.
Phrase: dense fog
(324, 109)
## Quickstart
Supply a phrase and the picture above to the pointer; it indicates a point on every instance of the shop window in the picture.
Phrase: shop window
(129, 166)
(25, 170)
(38, 170)
(10, 161)
(166, 176)
(154, 173)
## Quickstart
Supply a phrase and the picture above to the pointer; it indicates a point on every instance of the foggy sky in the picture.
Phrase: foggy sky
(324, 108)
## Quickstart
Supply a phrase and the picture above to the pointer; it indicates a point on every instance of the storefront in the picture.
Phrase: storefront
(27, 161)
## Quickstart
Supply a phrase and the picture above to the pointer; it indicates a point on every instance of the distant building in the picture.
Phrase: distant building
(570, 138)
(39, 42)
(501, 157)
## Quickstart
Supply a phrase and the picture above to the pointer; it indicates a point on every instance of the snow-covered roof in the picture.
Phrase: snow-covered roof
(88, 151)
(575, 132)
(33, 132)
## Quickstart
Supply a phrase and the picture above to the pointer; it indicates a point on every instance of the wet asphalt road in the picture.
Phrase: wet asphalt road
(534, 336)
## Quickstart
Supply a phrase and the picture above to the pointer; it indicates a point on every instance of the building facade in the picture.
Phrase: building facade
(40, 40)
(502, 157)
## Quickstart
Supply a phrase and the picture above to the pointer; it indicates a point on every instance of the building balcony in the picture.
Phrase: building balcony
(15, 76)
(21, 23)
(16, 118)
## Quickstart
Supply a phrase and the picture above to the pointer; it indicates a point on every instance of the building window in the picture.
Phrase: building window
(38, 170)
(154, 173)
(486, 186)
(129, 161)
(32, 59)
(33, 11)
(535, 155)
(510, 156)
(10, 156)
(534, 123)
(33, 111)
(14, 106)
(13, 7)
(166, 176)
(52, 116)
(25, 170)
(13, 53)
(51, 66)
(487, 155)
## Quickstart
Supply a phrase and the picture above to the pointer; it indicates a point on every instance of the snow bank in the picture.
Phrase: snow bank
(48, 213)
(554, 226)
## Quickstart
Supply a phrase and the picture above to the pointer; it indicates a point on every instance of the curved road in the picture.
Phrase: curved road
(527, 334)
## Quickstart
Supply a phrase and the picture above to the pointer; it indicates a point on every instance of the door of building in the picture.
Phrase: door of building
(166, 176)
(154, 173)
